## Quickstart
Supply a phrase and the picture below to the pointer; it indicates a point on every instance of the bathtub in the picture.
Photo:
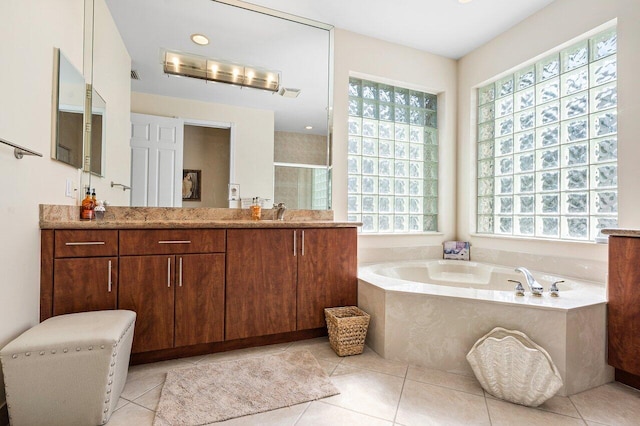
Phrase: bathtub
(430, 313)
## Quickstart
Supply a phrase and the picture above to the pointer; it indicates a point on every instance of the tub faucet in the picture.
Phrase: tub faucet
(280, 210)
(534, 286)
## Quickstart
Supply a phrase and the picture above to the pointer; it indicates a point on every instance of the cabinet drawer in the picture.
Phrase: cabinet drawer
(85, 243)
(171, 241)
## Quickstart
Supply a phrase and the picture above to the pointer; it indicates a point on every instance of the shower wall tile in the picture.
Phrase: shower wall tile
(300, 148)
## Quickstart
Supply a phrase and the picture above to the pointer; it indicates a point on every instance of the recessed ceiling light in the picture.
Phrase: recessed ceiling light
(199, 39)
(464, 1)
(308, 127)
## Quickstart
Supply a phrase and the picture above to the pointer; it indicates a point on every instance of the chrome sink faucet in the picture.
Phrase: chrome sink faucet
(534, 286)
(280, 209)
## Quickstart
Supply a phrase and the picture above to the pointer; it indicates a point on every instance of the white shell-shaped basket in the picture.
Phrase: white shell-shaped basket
(512, 367)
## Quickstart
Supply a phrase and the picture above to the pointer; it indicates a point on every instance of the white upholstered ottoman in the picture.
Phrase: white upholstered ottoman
(69, 369)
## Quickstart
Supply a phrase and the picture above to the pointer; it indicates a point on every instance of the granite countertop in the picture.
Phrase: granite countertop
(153, 224)
(622, 232)
(67, 217)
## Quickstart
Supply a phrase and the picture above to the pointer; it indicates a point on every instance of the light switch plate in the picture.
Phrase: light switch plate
(68, 189)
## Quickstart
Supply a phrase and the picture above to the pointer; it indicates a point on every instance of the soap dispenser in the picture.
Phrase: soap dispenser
(256, 209)
(87, 207)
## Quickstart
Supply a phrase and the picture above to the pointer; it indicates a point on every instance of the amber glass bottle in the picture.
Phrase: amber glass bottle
(86, 208)
(256, 209)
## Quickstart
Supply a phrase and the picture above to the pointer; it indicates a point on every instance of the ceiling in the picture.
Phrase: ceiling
(444, 27)
(299, 52)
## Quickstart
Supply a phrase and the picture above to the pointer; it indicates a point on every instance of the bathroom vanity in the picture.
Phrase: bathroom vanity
(623, 309)
(207, 283)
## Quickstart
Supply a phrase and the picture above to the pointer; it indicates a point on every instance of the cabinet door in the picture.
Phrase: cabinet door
(327, 273)
(146, 287)
(84, 284)
(261, 282)
(624, 304)
(199, 299)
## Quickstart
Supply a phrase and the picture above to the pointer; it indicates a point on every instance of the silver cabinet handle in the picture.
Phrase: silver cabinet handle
(294, 244)
(175, 242)
(303, 243)
(109, 279)
(168, 272)
(180, 272)
(85, 243)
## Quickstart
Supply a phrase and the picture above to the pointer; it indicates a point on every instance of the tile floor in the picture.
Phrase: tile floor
(375, 391)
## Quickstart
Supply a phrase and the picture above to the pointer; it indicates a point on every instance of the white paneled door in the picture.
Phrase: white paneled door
(156, 161)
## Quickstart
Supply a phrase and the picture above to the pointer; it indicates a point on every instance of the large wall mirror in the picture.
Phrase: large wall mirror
(241, 34)
(70, 101)
(98, 133)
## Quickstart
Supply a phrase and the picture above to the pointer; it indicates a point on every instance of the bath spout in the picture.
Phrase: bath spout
(534, 286)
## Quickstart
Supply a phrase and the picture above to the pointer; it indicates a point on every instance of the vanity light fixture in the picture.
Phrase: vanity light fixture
(199, 39)
(194, 66)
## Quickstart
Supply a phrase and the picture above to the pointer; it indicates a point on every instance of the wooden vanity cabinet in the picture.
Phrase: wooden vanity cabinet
(147, 288)
(623, 309)
(280, 280)
(202, 290)
(261, 282)
(327, 273)
(85, 271)
(173, 284)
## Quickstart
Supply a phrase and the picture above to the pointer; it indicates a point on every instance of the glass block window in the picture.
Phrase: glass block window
(547, 145)
(393, 158)
(320, 196)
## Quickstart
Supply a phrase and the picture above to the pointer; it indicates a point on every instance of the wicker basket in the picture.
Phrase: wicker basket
(347, 329)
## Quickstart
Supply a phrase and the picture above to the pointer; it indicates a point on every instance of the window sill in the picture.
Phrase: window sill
(408, 234)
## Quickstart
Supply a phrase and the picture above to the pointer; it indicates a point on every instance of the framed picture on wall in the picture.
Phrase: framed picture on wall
(191, 185)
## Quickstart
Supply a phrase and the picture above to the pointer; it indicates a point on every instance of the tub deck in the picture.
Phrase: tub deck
(435, 324)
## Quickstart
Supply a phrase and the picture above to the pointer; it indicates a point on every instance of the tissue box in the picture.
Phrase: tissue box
(459, 250)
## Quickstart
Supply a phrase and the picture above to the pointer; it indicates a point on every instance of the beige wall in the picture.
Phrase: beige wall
(29, 30)
(252, 136)
(392, 63)
(554, 25)
(207, 149)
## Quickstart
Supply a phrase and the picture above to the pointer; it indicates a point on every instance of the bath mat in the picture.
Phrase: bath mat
(219, 391)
